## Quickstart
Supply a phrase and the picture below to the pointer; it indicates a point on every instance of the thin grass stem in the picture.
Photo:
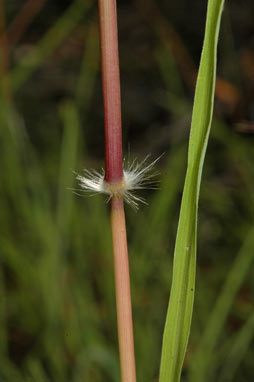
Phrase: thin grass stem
(123, 293)
(114, 182)
(111, 90)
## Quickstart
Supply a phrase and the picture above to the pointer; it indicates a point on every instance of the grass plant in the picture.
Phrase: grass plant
(180, 308)
(114, 183)
(57, 299)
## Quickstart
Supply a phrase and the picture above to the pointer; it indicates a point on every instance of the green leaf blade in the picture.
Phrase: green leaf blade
(178, 321)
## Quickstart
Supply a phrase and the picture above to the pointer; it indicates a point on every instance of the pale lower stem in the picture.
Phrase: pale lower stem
(123, 293)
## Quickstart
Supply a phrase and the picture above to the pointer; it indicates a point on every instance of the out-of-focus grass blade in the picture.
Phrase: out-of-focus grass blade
(69, 150)
(180, 308)
(3, 320)
(9, 372)
(49, 42)
(89, 68)
(218, 316)
(35, 371)
(238, 350)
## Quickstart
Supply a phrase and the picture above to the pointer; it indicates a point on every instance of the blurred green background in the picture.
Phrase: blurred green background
(57, 303)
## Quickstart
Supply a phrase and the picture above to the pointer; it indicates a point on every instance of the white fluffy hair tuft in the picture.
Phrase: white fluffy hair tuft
(136, 176)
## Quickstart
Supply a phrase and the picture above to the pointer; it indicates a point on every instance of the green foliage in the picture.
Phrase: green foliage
(52, 39)
(178, 321)
(205, 352)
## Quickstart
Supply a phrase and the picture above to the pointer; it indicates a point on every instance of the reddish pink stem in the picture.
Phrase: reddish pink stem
(123, 292)
(111, 90)
(114, 174)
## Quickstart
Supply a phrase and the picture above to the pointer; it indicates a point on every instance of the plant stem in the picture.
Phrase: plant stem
(111, 90)
(114, 177)
(123, 294)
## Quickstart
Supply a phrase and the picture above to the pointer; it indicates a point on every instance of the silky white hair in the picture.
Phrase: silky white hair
(136, 176)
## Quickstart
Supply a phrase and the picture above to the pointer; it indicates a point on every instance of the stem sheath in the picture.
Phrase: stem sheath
(123, 293)
(111, 90)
